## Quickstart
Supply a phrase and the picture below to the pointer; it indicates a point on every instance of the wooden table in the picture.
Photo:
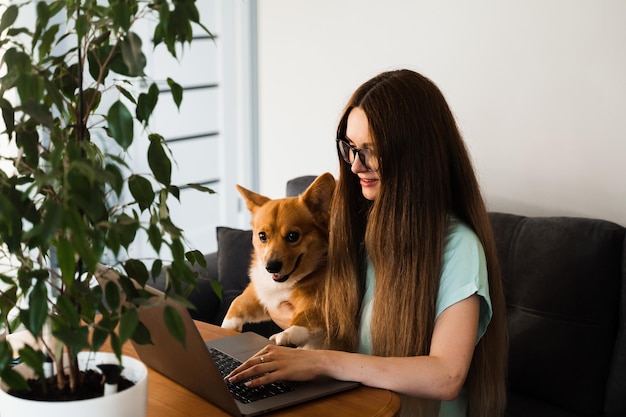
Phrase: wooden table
(168, 398)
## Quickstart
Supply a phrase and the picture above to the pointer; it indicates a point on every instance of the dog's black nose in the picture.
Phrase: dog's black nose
(273, 267)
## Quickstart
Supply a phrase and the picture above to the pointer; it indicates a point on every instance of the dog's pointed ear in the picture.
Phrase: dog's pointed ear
(319, 196)
(253, 200)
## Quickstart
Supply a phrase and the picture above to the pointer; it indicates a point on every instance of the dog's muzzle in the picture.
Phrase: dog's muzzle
(274, 267)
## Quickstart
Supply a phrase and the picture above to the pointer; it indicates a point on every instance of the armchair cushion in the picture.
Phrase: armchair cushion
(562, 280)
(233, 260)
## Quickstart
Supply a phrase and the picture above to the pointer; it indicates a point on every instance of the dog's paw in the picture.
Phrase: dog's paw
(294, 335)
(233, 323)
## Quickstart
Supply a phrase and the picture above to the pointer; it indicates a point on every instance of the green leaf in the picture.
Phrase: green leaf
(201, 188)
(128, 324)
(103, 39)
(137, 271)
(8, 17)
(6, 355)
(92, 97)
(159, 162)
(97, 56)
(113, 241)
(82, 25)
(79, 238)
(38, 311)
(8, 115)
(174, 324)
(43, 13)
(30, 89)
(33, 358)
(196, 257)
(133, 57)
(67, 82)
(51, 220)
(116, 345)
(41, 234)
(56, 7)
(126, 94)
(177, 92)
(174, 191)
(65, 258)
(101, 332)
(112, 295)
(120, 124)
(47, 40)
(90, 301)
(154, 237)
(116, 180)
(17, 63)
(141, 190)
(142, 335)
(180, 270)
(77, 338)
(157, 267)
(67, 310)
(121, 15)
(180, 29)
(146, 103)
(10, 224)
(14, 379)
(170, 228)
(98, 338)
(8, 299)
(28, 141)
(164, 30)
(178, 250)
(38, 112)
(128, 287)
(126, 229)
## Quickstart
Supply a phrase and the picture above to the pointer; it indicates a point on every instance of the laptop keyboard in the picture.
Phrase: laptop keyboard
(226, 364)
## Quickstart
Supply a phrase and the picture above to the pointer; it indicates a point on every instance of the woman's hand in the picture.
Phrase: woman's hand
(283, 315)
(278, 363)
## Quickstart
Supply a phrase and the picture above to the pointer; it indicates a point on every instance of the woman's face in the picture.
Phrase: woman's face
(358, 135)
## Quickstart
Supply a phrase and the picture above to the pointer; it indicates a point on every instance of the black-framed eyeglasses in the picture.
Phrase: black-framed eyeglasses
(367, 157)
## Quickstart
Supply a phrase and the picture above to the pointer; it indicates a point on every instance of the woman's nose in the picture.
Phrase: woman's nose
(357, 166)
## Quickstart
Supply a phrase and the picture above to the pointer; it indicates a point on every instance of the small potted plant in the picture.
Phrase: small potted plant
(70, 102)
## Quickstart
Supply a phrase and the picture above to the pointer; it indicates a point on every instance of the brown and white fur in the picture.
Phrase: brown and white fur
(290, 240)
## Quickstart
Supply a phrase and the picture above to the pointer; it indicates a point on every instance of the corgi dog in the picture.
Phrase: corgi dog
(290, 245)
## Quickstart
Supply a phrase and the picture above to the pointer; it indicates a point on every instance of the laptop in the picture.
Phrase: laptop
(194, 366)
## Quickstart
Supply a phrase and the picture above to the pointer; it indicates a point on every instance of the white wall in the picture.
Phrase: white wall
(538, 88)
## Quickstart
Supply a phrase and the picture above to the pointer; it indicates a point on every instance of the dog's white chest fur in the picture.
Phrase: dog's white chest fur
(270, 292)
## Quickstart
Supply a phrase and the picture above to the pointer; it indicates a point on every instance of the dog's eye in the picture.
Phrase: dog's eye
(262, 237)
(293, 236)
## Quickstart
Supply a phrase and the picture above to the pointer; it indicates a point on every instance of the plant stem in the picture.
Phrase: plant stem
(81, 98)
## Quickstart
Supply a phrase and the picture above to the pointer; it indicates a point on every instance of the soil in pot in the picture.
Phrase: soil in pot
(92, 387)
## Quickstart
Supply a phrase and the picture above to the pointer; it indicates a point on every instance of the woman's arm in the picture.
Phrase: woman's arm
(439, 375)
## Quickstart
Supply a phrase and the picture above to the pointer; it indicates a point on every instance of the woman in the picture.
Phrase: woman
(413, 299)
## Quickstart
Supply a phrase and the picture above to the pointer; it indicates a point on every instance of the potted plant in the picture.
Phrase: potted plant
(70, 100)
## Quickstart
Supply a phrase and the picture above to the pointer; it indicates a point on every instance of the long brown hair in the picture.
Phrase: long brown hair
(426, 174)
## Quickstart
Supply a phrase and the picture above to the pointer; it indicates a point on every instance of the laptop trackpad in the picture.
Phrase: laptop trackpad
(240, 346)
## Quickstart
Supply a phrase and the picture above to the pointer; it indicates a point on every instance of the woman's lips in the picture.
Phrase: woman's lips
(368, 182)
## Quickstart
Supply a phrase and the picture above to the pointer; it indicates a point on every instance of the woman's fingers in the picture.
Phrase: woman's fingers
(256, 365)
(274, 363)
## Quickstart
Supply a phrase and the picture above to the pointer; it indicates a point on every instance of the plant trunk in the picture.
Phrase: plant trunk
(58, 362)
(74, 372)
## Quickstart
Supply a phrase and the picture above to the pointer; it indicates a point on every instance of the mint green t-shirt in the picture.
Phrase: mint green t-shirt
(464, 273)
